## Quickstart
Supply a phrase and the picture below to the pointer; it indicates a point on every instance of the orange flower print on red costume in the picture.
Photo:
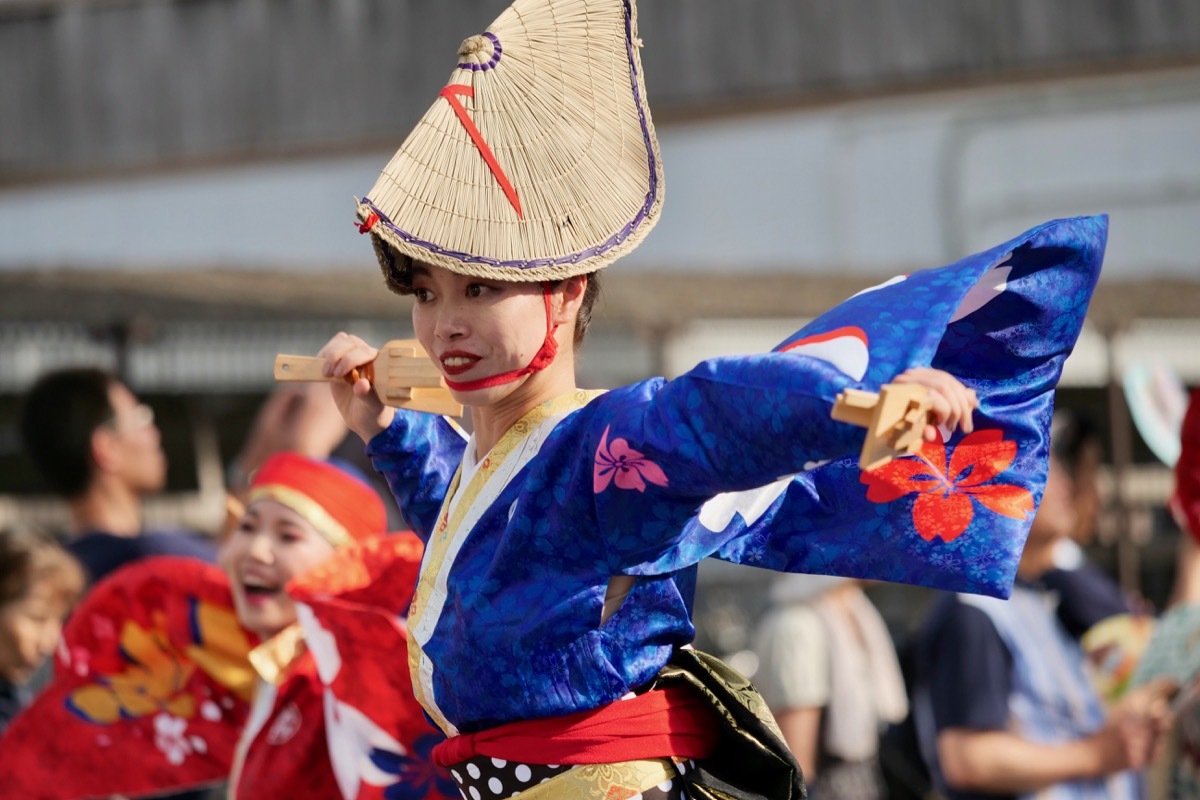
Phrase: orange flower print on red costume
(155, 681)
(157, 676)
(620, 464)
(944, 508)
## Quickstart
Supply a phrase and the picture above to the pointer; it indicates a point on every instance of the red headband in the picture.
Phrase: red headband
(341, 507)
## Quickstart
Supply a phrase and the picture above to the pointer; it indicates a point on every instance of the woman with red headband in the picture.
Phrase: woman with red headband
(549, 629)
(155, 668)
(312, 530)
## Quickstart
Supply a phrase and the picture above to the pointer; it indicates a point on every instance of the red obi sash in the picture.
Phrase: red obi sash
(664, 722)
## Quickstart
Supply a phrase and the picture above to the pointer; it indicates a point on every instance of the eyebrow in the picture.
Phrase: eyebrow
(420, 271)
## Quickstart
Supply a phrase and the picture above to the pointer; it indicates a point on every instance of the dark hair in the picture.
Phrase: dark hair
(1070, 435)
(60, 414)
(590, 294)
(28, 557)
(398, 275)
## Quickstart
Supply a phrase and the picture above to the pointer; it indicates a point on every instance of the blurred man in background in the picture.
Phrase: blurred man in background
(1003, 704)
(97, 446)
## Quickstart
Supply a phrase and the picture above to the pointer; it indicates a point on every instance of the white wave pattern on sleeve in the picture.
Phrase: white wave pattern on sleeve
(751, 504)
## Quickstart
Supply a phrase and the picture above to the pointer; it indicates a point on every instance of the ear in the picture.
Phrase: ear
(104, 449)
(568, 299)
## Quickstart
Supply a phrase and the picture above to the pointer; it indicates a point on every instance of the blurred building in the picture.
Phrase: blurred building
(176, 183)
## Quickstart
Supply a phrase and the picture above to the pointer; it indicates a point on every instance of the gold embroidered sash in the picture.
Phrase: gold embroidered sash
(626, 779)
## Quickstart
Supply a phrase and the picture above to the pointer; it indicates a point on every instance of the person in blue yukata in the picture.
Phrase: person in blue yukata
(549, 631)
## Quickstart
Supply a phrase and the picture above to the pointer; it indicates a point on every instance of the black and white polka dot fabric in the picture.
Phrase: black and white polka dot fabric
(484, 778)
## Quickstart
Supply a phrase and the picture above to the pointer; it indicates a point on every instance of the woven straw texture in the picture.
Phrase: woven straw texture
(537, 162)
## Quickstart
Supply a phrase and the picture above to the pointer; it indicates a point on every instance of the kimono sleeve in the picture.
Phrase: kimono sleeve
(418, 455)
(954, 517)
(659, 450)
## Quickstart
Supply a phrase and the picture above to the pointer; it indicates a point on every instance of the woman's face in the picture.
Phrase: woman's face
(29, 631)
(475, 328)
(270, 546)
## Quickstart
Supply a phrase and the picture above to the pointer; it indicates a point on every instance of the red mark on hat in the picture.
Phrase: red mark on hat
(368, 223)
(451, 93)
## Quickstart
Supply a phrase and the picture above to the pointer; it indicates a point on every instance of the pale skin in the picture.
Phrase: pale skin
(1004, 762)
(491, 327)
(297, 417)
(801, 728)
(270, 545)
(29, 630)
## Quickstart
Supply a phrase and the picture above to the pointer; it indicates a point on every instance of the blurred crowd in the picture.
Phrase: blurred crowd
(1068, 688)
(97, 446)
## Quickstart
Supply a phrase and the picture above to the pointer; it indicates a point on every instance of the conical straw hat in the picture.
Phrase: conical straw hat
(538, 161)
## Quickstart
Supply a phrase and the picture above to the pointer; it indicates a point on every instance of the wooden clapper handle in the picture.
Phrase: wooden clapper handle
(300, 368)
(895, 420)
(401, 375)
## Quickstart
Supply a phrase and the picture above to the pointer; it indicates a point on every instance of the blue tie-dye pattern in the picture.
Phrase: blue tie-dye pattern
(520, 634)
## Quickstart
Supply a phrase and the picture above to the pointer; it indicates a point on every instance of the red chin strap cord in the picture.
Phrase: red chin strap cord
(540, 361)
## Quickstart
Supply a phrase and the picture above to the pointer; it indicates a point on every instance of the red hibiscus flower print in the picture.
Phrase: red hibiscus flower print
(620, 464)
(944, 508)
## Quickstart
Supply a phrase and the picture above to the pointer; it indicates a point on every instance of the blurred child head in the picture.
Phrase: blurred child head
(298, 511)
(39, 583)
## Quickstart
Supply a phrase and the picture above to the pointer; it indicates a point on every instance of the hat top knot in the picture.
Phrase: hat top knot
(480, 52)
(472, 45)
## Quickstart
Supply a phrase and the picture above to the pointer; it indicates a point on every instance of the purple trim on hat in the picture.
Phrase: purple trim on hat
(613, 241)
(497, 50)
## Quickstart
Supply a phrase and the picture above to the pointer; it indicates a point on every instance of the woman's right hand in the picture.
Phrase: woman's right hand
(360, 407)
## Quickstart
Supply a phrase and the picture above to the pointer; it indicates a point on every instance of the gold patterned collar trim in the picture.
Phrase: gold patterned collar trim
(444, 533)
(272, 658)
(536, 416)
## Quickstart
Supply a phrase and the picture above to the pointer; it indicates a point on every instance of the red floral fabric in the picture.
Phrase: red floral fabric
(289, 756)
(352, 610)
(151, 690)
(1187, 468)
(948, 491)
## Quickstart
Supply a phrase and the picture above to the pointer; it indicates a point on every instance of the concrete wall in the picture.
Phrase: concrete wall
(94, 86)
(868, 188)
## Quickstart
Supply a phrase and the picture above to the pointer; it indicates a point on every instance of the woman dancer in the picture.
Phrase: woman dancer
(311, 530)
(549, 628)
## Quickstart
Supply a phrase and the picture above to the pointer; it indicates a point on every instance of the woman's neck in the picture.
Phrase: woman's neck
(492, 421)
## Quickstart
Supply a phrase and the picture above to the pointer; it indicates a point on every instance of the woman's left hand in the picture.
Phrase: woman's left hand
(952, 403)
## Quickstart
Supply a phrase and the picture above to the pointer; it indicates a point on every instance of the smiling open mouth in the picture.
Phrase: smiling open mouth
(259, 590)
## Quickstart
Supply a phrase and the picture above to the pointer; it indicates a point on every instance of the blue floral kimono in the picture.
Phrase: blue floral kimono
(737, 459)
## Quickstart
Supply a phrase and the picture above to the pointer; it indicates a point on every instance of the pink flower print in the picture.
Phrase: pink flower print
(621, 464)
